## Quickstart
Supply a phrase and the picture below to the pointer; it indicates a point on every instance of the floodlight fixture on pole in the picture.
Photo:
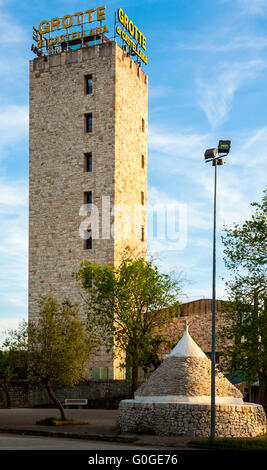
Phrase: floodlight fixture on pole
(224, 147)
(216, 157)
(210, 154)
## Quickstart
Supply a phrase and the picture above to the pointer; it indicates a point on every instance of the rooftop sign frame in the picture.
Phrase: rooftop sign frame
(131, 36)
(87, 28)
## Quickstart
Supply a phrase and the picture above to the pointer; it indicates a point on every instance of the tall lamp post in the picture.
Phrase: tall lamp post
(216, 156)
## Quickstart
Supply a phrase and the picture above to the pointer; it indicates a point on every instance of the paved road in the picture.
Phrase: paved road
(99, 422)
(11, 442)
(97, 418)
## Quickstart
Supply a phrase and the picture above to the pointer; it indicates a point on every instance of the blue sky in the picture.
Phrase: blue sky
(207, 81)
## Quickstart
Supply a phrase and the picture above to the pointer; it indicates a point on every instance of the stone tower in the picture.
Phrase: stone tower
(88, 145)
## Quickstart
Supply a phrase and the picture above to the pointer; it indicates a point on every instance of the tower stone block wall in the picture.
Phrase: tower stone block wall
(59, 142)
(130, 145)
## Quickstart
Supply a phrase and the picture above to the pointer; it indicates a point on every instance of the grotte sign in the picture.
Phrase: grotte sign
(59, 33)
(131, 35)
(87, 28)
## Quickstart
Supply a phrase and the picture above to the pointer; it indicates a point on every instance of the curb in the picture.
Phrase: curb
(94, 437)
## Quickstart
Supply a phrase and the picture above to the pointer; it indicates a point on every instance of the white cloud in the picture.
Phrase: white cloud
(13, 68)
(158, 91)
(233, 200)
(13, 194)
(190, 260)
(10, 32)
(224, 44)
(174, 153)
(14, 243)
(216, 90)
(8, 323)
(254, 7)
(249, 7)
(203, 292)
(13, 61)
(197, 216)
(240, 181)
(14, 123)
(233, 205)
(13, 205)
(182, 144)
(253, 152)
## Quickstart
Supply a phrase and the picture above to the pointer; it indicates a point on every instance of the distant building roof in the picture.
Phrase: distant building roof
(194, 307)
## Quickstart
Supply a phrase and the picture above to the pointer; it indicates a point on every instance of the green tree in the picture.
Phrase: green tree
(246, 244)
(13, 365)
(10, 370)
(6, 374)
(245, 329)
(124, 307)
(58, 346)
(151, 356)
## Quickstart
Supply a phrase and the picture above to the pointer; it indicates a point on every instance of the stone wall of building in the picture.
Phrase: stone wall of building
(99, 393)
(130, 179)
(18, 394)
(191, 420)
(58, 143)
(197, 314)
(58, 180)
(131, 122)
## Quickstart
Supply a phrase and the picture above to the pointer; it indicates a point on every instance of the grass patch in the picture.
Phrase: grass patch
(232, 444)
(52, 421)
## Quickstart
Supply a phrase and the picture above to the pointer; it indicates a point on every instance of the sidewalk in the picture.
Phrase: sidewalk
(101, 426)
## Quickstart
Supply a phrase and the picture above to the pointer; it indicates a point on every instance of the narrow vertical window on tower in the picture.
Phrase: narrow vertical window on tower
(88, 197)
(88, 240)
(88, 123)
(88, 162)
(143, 125)
(143, 161)
(142, 198)
(88, 84)
(142, 233)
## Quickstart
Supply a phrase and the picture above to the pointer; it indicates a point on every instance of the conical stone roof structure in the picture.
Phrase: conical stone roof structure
(176, 401)
(185, 377)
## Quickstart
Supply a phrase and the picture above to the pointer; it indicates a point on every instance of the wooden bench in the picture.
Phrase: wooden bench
(80, 402)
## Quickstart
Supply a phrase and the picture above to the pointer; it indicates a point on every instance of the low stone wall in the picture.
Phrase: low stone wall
(191, 420)
(18, 394)
(100, 394)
